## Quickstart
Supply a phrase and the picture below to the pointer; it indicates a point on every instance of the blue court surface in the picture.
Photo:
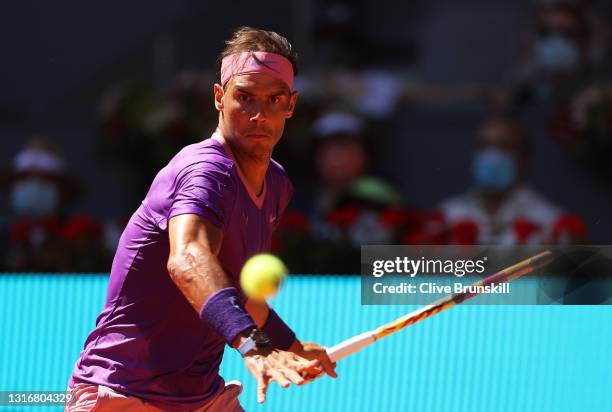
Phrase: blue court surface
(470, 358)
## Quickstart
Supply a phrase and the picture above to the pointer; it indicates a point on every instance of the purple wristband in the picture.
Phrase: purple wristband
(280, 334)
(226, 314)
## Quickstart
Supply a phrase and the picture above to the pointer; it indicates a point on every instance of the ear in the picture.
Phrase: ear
(219, 93)
(292, 103)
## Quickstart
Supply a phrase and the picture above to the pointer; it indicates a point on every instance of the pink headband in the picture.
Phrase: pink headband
(271, 64)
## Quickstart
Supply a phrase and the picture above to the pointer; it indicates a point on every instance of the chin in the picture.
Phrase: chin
(261, 151)
(256, 150)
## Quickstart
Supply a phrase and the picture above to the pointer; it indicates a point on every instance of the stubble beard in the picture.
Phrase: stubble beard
(258, 153)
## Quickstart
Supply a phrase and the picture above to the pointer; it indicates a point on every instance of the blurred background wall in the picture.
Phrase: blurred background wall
(60, 58)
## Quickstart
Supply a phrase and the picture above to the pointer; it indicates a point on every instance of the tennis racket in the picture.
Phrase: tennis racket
(358, 342)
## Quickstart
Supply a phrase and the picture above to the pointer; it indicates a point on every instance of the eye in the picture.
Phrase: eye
(243, 97)
(275, 99)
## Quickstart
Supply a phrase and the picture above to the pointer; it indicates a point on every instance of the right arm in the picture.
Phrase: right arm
(194, 268)
(193, 264)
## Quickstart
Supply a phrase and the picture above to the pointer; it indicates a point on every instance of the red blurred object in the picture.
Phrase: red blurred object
(415, 237)
(393, 217)
(562, 127)
(344, 216)
(276, 244)
(524, 229)
(295, 221)
(435, 224)
(427, 228)
(82, 226)
(23, 228)
(434, 221)
(572, 226)
(464, 232)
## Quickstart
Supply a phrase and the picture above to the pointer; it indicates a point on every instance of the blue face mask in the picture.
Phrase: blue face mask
(494, 170)
(556, 52)
(34, 198)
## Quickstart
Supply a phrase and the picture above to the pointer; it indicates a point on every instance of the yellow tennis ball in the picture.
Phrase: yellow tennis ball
(262, 275)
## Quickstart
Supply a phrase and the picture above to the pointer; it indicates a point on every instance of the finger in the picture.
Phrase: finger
(328, 366)
(314, 376)
(314, 370)
(279, 378)
(309, 365)
(313, 367)
(262, 388)
(294, 363)
(294, 376)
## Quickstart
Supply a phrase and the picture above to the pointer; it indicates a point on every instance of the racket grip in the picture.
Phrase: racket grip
(350, 346)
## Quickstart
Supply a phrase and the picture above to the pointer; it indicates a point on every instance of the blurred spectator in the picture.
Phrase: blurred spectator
(348, 207)
(38, 193)
(374, 211)
(568, 48)
(583, 126)
(566, 81)
(352, 71)
(41, 237)
(135, 115)
(340, 157)
(501, 208)
(369, 212)
(600, 32)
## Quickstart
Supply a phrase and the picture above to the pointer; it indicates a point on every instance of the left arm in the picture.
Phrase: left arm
(259, 312)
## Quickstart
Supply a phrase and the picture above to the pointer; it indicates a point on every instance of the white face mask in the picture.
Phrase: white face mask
(556, 52)
(34, 197)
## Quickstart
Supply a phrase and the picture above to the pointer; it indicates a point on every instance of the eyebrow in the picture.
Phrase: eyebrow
(277, 92)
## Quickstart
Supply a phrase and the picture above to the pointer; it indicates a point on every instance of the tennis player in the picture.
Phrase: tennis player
(174, 298)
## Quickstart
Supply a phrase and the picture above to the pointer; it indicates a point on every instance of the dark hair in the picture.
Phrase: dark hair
(249, 39)
(513, 124)
(582, 31)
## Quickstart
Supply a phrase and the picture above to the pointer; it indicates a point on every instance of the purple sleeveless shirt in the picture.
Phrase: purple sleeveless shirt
(149, 341)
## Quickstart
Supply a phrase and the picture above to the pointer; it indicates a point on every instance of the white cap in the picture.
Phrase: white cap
(337, 122)
(38, 160)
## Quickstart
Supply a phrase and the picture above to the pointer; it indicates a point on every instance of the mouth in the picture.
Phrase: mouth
(258, 136)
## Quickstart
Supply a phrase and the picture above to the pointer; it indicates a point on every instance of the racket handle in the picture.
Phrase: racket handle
(350, 346)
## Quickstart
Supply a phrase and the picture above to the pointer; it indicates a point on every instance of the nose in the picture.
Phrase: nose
(259, 113)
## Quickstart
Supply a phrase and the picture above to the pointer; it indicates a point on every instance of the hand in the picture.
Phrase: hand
(313, 351)
(267, 364)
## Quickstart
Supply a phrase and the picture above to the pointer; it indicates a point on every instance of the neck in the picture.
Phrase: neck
(252, 168)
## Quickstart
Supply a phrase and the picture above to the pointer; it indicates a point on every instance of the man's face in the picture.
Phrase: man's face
(500, 159)
(562, 42)
(497, 134)
(339, 162)
(553, 20)
(253, 109)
